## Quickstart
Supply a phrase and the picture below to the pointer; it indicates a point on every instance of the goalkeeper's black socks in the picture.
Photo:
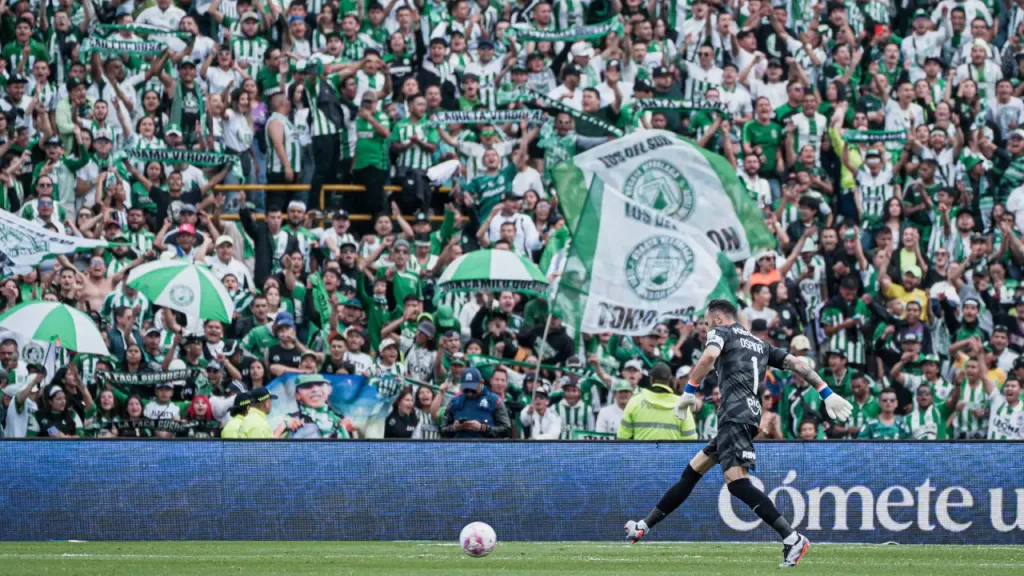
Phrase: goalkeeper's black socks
(675, 496)
(761, 505)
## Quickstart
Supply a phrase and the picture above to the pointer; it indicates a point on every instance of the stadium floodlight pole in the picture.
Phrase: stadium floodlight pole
(556, 278)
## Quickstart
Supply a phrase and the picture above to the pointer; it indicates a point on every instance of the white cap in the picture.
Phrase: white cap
(582, 49)
(634, 363)
(683, 371)
(385, 343)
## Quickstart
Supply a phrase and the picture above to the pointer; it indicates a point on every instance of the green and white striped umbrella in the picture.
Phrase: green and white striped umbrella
(493, 271)
(56, 323)
(183, 286)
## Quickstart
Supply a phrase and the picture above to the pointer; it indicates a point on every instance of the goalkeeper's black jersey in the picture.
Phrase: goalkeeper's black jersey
(741, 369)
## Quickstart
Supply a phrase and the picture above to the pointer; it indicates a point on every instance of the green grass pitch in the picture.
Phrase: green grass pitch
(513, 558)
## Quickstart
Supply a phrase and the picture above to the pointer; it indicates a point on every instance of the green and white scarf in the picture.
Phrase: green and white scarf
(576, 114)
(107, 29)
(487, 117)
(171, 156)
(579, 32)
(645, 104)
(872, 136)
(179, 101)
(108, 48)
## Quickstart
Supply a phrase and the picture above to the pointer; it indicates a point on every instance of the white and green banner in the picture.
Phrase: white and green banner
(24, 244)
(630, 266)
(662, 171)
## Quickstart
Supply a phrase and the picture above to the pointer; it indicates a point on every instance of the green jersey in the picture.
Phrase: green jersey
(797, 403)
(863, 413)
(414, 156)
(768, 137)
(319, 123)
(877, 430)
(14, 53)
(707, 421)
(371, 147)
(404, 283)
(578, 417)
(966, 423)
(248, 52)
(292, 149)
(489, 190)
(849, 340)
(259, 339)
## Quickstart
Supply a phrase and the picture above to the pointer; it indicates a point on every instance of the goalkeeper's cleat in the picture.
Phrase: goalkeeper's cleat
(793, 553)
(635, 530)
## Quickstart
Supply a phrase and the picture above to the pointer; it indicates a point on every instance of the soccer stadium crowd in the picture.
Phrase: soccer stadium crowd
(881, 141)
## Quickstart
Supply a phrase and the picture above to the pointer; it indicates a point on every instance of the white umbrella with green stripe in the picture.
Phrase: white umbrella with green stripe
(493, 271)
(183, 286)
(55, 323)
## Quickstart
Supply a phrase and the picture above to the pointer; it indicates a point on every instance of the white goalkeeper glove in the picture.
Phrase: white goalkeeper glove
(836, 406)
(687, 400)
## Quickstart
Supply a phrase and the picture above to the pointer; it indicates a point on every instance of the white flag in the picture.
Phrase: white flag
(24, 244)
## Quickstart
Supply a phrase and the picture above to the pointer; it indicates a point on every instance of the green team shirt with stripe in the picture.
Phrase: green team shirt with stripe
(13, 53)
(249, 52)
(707, 421)
(878, 430)
(319, 123)
(966, 423)
(927, 424)
(841, 340)
(578, 417)
(414, 156)
(291, 146)
(875, 193)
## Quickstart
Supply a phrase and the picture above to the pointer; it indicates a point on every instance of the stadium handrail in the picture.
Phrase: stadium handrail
(323, 199)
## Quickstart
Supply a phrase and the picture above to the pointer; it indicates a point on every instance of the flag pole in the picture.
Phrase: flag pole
(557, 276)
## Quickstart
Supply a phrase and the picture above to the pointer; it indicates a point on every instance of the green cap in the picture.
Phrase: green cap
(444, 316)
(929, 358)
(971, 161)
(621, 385)
(310, 380)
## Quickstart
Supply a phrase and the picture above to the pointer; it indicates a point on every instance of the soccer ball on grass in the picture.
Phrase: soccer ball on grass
(478, 539)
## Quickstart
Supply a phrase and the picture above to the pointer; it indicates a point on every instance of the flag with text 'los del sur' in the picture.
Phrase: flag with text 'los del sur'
(674, 176)
(631, 262)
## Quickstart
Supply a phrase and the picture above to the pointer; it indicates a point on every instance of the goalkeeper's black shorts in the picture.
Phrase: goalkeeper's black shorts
(733, 446)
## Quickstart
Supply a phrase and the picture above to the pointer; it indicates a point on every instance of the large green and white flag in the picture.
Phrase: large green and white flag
(675, 177)
(24, 244)
(630, 266)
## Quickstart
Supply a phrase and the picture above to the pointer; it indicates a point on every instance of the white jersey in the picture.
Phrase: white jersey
(1006, 422)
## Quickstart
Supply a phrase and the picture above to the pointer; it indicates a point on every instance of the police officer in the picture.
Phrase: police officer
(238, 412)
(255, 424)
(649, 415)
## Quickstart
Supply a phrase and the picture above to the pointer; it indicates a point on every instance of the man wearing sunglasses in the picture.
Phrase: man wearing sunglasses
(887, 426)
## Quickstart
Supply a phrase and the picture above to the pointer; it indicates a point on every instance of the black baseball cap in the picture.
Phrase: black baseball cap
(242, 399)
(341, 214)
(261, 394)
(661, 373)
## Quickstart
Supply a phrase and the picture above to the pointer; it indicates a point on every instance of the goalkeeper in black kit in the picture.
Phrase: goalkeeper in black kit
(740, 360)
